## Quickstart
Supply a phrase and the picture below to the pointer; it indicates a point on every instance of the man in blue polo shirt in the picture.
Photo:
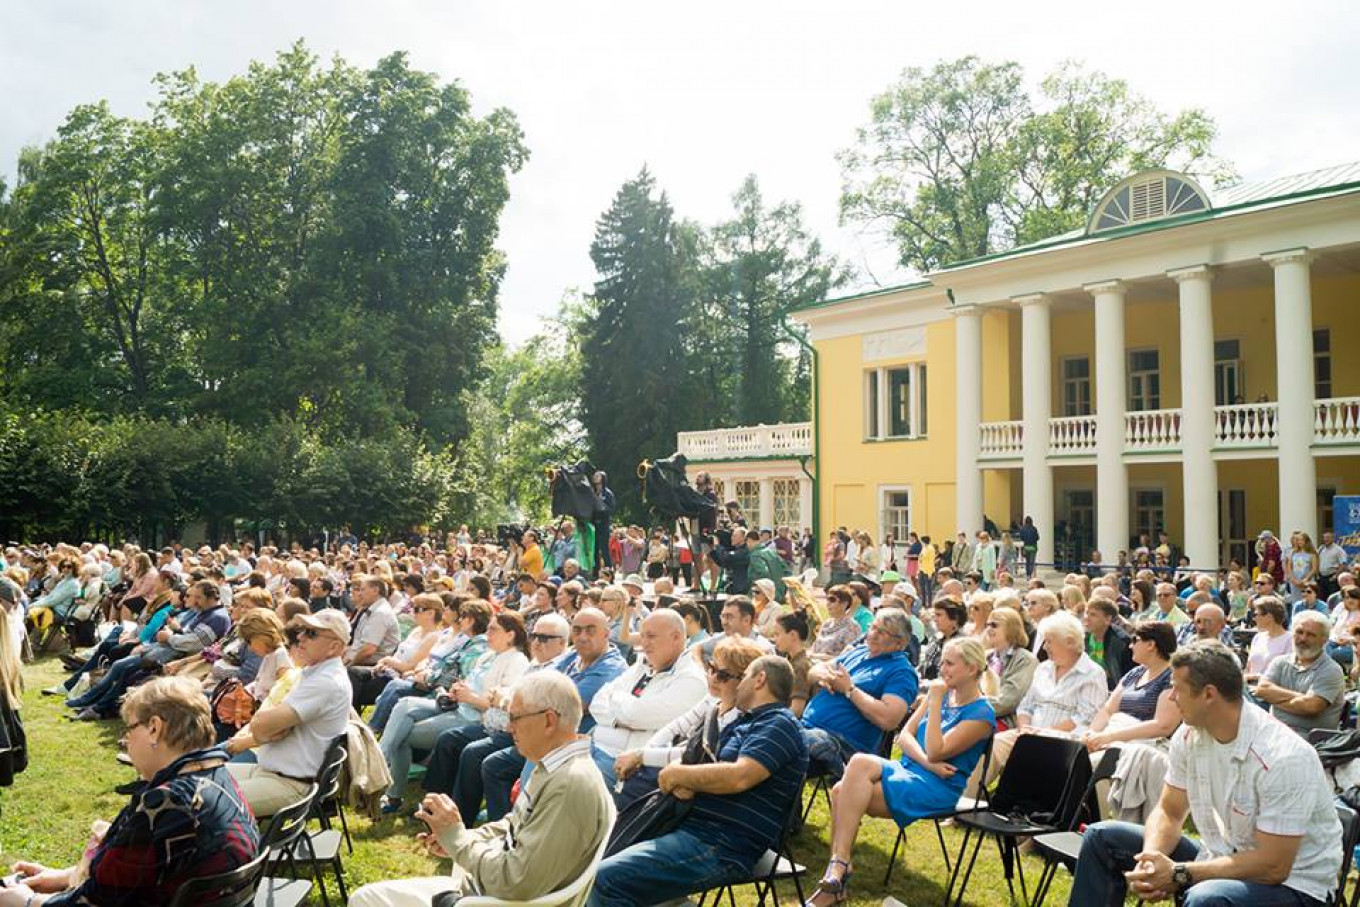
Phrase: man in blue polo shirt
(863, 693)
(740, 802)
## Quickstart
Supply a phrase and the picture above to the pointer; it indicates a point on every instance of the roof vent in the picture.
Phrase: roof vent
(1145, 197)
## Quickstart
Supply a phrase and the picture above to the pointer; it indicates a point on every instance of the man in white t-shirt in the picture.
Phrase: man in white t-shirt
(290, 739)
(1255, 791)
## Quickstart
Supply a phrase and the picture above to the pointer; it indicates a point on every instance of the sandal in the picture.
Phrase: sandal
(835, 888)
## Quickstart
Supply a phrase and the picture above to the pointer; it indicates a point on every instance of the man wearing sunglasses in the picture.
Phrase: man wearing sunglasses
(290, 739)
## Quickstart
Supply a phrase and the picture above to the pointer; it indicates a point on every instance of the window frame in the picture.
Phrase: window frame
(880, 397)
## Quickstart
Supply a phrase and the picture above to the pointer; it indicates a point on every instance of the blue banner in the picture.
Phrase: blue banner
(1346, 522)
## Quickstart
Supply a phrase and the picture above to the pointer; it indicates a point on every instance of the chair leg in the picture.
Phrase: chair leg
(1020, 871)
(892, 860)
(344, 826)
(958, 864)
(1045, 882)
(944, 851)
(1003, 849)
(340, 877)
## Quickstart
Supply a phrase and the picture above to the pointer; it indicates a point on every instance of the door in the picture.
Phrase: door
(1232, 526)
(1080, 537)
(1227, 373)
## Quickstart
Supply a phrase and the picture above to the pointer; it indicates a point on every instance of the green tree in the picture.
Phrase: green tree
(959, 161)
(637, 381)
(759, 265)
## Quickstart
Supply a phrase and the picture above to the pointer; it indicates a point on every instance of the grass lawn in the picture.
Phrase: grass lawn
(46, 817)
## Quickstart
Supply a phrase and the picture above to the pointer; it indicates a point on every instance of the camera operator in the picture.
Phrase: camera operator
(733, 556)
(531, 559)
(604, 511)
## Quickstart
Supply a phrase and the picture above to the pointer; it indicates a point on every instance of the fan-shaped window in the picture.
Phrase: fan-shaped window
(1146, 197)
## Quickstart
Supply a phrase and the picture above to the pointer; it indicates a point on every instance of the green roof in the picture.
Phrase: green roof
(1337, 180)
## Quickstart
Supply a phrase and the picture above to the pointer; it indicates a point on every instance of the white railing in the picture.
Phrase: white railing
(1002, 439)
(1152, 429)
(1072, 435)
(1337, 421)
(1245, 425)
(790, 440)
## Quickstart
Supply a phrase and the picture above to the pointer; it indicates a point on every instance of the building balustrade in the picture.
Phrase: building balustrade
(1242, 426)
(788, 440)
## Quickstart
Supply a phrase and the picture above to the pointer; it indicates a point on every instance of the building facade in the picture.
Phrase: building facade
(767, 469)
(1180, 364)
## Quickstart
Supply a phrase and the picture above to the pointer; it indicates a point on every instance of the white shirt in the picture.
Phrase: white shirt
(624, 721)
(660, 751)
(1077, 697)
(1267, 778)
(321, 699)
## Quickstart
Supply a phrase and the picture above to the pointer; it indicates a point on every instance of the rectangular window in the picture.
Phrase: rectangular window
(747, 496)
(1322, 363)
(1324, 509)
(786, 503)
(1228, 373)
(1076, 386)
(896, 516)
(894, 402)
(1149, 512)
(1145, 380)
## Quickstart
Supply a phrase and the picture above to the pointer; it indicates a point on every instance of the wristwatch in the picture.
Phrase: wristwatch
(1180, 875)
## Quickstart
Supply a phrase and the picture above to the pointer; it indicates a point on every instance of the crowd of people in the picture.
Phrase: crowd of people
(544, 699)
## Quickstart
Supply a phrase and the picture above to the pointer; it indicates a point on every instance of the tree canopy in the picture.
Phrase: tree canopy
(959, 160)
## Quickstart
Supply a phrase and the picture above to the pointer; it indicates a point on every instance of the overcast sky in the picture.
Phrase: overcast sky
(702, 92)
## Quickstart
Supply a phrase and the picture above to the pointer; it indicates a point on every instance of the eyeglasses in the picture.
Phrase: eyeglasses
(993, 625)
(721, 675)
(544, 638)
(513, 719)
(878, 628)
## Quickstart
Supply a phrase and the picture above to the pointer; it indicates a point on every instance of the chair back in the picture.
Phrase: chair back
(228, 889)
(574, 894)
(983, 799)
(1350, 838)
(288, 824)
(328, 776)
(1044, 780)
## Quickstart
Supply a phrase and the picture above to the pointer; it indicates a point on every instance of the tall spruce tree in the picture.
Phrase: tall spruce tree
(637, 390)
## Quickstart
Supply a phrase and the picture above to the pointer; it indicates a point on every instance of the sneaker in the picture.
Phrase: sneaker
(58, 690)
(124, 758)
(390, 806)
(88, 715)
(72, 662)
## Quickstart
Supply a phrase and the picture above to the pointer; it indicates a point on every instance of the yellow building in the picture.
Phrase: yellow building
(1179, 363)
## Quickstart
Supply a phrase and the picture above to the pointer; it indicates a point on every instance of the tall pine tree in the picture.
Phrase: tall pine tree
(637, 390)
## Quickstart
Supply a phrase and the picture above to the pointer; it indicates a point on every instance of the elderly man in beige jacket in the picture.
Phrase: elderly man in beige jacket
(551, 835)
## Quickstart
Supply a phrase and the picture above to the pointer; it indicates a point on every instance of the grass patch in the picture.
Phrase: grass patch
(72, 771)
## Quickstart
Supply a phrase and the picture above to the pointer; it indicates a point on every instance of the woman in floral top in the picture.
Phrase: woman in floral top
(841, 631)
(189, 821)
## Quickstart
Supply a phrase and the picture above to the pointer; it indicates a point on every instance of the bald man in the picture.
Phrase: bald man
(1209, 622)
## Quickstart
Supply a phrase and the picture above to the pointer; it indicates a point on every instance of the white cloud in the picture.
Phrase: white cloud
(706, 92)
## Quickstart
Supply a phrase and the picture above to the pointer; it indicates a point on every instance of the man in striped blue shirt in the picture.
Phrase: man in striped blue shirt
(741, 802)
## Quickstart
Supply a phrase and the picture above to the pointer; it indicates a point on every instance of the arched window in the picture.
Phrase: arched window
(1147, 196)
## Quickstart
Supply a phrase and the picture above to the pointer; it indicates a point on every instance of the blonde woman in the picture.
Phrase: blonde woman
(1011, 662)
(941, 745)
(1073, 600)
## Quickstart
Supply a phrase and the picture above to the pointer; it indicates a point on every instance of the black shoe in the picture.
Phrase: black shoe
(132, 787)
(72, 663)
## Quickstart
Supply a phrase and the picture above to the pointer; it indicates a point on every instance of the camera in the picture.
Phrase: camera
(510, 532)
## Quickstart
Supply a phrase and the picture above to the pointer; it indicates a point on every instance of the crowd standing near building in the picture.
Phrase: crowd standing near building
(544, 698)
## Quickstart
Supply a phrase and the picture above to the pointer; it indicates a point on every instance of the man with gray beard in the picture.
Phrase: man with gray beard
(1305, 690)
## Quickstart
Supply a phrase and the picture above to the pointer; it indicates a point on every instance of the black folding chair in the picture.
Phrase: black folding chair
(1041, 788)
(821, 782)
(335, 804)
(320, 849)
(776, 865)
(283, 833)
(227, 889)
(1062, 847)
(1350, 838)
(965, 805)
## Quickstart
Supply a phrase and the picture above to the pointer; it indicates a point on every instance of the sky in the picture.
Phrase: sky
(703, 93)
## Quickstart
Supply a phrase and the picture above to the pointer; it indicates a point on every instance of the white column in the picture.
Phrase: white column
(1199, 472)
(968, 416)
(1294, 386)
(767, 503)
(1036, 360)
(804, 505)
(1112, 477)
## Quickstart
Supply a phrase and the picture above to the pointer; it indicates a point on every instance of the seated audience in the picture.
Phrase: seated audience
(695, 732)
(949, 616)
(941, 745)
(148, 617)
(1209, 622)
(1256, 794)
(1106, 642)
(556, 827)
(187, 821)
(1272, 638)
(840, 631)
(860, 695)
(370, 680)
(738, 619)
(1345, 624)
(458, 648)
(1010, 663)
(205, 622)
(740, 804)
(290, 739)
(1165, 606)
(1039, 604)
(1140, 707)
(375, 632)
(417, 722)
(768, 607)
(57, 603)
(1305, 690)
(659, 687)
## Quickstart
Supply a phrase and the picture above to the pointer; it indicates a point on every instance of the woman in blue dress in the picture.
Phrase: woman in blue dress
(941, 744)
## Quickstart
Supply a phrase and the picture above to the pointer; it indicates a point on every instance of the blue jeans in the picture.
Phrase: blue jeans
(500, 771)
(103, 651)
(103, 696)
(669, 867)
(460, 775)
(1342, 655)
(605, 763)
(827, 753)
(415, 725)
(1107, 852)
(387, 699)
